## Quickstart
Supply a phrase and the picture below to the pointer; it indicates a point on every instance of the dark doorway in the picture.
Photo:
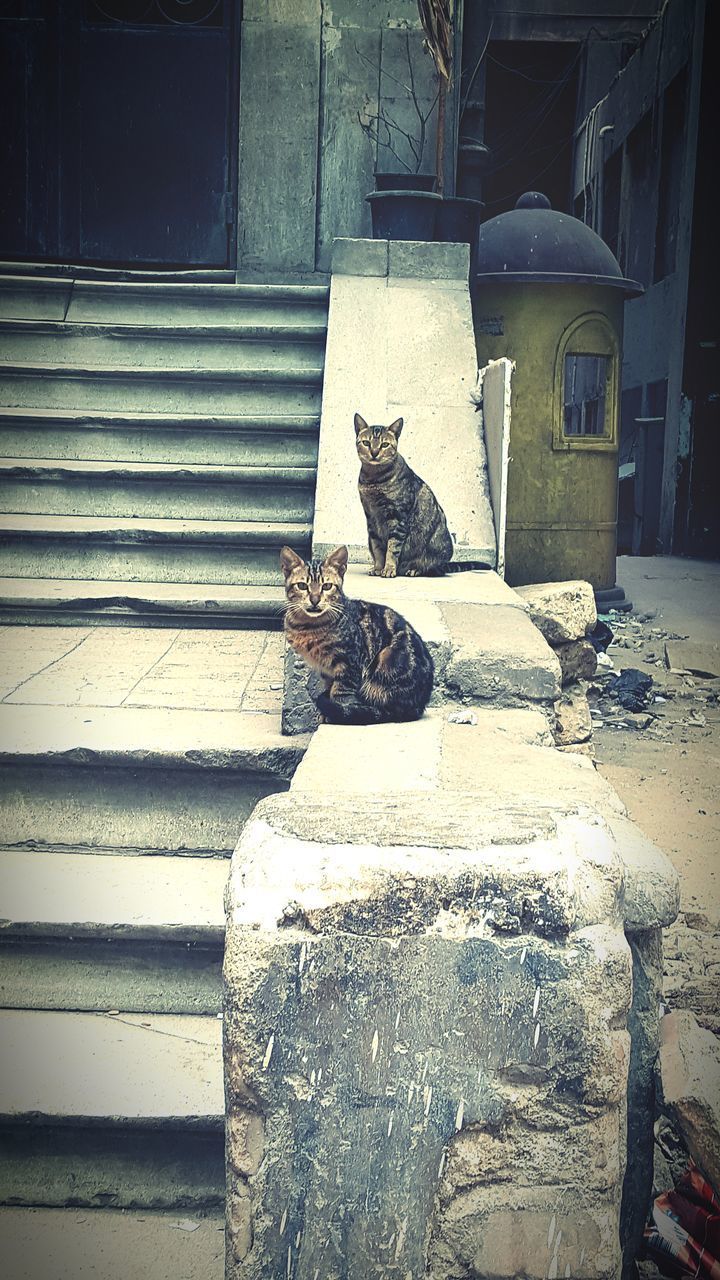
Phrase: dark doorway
(530, 103)
(119, 134)
(697, 511)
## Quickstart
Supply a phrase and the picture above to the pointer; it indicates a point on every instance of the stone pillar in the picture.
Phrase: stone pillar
(426, 1043)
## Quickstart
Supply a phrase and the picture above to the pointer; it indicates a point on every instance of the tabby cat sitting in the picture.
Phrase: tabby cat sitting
(375, 665)
(407, 530)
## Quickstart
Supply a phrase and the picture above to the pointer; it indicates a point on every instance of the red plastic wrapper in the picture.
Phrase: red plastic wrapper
(683, 1235)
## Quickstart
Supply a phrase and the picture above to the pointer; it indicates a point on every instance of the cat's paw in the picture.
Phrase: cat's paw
(388, 572)
(412, 573)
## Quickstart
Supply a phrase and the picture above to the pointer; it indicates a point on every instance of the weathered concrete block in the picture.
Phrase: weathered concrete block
(578, 660)
(690, 1081)
(459, 977)
(563, 611)
(300, 685)
(535, 1233)
(359, 257)
(481, 668)
(573, 723)
(425, 260)
(652, 885)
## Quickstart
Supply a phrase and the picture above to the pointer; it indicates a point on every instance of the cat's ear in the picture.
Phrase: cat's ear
(360, 424)
(337, 560)
(289, 560)
(396, 427)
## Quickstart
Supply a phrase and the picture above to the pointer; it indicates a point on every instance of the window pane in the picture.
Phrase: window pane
(584, 395)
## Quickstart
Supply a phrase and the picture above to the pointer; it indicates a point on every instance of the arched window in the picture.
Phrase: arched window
(586, 385)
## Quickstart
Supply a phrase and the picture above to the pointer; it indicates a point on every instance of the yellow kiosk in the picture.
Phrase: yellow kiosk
(550, 296)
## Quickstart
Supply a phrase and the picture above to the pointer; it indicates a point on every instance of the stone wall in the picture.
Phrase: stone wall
(429, 1009)
(309, 70)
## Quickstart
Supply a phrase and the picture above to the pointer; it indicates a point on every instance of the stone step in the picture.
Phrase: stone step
(151, 489)
(84, 1069)
(135, 780)
(109, 1244)
(159, 302)
(49, 894)
(148, 550)
(199, 346)
(121, 1110)
(92, 933)
(257, 440)
(97, 1168)
(166, 390)
(58, 601)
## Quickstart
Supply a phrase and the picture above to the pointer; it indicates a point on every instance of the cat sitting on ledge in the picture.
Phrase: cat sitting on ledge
(375, 665)
(407, 530)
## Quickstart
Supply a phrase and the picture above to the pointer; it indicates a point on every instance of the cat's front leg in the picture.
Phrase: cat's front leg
(377, 551)
(392, 556)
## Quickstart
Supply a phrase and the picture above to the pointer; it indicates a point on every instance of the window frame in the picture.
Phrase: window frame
(590, 334)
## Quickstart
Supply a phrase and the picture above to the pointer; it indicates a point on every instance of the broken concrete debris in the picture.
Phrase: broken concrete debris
(573, 723)
(578, 660)
(562, 611)
(565, 614)
(699, 659)
(690, 1087)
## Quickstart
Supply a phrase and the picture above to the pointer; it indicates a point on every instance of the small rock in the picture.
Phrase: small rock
(605, 663)
(462, 717)
(578, 660)
(690, 1079)
(573, 722)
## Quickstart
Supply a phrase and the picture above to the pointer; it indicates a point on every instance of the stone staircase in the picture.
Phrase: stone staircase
(154, 439)
(158, 444)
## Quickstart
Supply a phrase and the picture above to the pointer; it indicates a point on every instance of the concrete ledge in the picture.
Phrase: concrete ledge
(395, 871)
(403, 259)
(359, 257)
(411, 259)
(478, 630)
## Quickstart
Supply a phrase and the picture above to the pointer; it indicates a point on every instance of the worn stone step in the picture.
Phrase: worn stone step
(199, 346)
(256, 440)
(72, 1244)
(164, 301)
(131, 1071)
(96, 1168)
(149, 550)
(94, 976)
(81, 932)
(134, 779)
(202, 491)
(257, 390)
(59, 601)
(61, 895)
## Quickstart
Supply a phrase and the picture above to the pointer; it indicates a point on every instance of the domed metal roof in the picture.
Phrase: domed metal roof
(533, 244)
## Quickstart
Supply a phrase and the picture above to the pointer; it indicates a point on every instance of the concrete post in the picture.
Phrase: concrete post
(425, 1041)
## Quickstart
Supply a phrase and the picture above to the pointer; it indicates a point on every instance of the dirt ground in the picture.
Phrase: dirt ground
(665, 761)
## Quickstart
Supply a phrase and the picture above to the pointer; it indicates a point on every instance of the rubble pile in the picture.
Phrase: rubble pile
(565, 614)
(661, 683)
(683, 1231)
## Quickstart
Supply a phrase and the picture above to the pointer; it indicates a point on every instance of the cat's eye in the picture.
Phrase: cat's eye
(385, 444)
(301, 586)
(328, 586)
